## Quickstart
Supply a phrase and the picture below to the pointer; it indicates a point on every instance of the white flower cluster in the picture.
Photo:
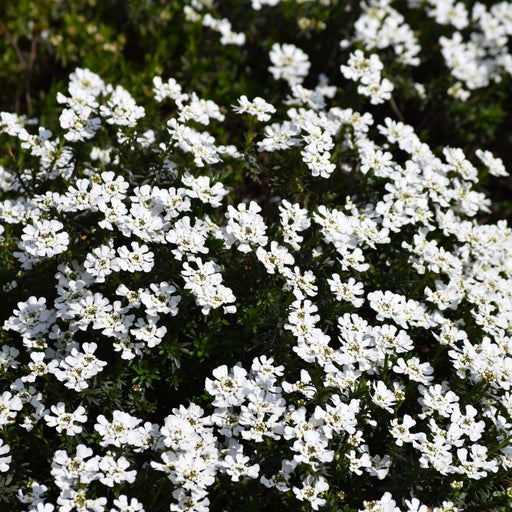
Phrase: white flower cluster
(257, 107)
(205, 282)
(368, 72)
(381, 26)
(289, 62)
(358, 348)
(475, 47)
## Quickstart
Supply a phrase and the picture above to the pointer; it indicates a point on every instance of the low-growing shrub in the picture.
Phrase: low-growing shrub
(292, 293)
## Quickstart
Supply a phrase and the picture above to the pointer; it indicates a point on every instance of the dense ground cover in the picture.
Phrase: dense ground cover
(255, 255)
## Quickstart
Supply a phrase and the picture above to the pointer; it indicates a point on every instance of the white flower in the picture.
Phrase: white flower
(438, 398)
(189, 501)
(83, 79)
(77, 367)
(348, 291)
(246, 226)
(100, 262)
(44, 239)
(160, 299)
(236, 466)
(362, 68)
(78, 124)
(139, 259)
(301, 284)
(229, 388)
(31, 318)
(383, 397)
(312, 449)
(189, 239)
(8, 357)
(170, 89)
(257, 107)
(276, 258)
(494, 164)
(466, 424)
(68, 471)
(311, 490)
(70, 499)
(114, 471)
(120, 431)
(92, 308)
(379, 91)
(206, 284)
(279, 136)
(201, 188)
(385, 504)
(4, 461)
(318, 162)
(123, 505)
(148, 331)
(257, 4)
(414, 505)
(43, 507)
(121, 109)
(419, 372)
(401, 431)
(289, 62)
(64, 420)
(368, 72)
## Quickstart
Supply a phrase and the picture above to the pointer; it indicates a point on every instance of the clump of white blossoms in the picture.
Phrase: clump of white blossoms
(257, 107)
(179, 336)
(289, 62)
(44, 238)
(367, 71)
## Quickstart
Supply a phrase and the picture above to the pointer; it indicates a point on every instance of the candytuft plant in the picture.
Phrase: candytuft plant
(270, 275)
